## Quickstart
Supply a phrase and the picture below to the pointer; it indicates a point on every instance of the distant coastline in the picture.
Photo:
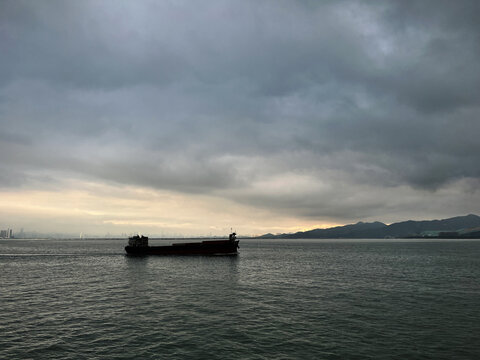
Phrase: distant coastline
(460, 227)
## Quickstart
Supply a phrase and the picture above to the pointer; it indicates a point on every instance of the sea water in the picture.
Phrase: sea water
(301, 299)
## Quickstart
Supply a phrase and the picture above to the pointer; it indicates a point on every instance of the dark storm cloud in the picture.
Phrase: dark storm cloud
(219, 97)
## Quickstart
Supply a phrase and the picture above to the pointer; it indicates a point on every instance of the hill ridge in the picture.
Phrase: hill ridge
(458, 226)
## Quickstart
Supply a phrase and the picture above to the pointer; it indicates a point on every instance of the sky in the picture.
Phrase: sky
(181, 118)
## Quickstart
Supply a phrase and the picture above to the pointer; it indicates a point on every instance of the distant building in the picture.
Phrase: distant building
(6, 234)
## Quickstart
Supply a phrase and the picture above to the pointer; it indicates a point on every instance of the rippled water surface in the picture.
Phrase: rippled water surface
(316, 299)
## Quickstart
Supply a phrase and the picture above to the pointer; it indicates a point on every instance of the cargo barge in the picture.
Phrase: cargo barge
(138, 245)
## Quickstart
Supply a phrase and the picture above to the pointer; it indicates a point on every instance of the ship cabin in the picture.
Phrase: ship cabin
(138, 241)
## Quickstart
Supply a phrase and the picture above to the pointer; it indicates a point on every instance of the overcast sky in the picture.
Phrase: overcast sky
(189, 117)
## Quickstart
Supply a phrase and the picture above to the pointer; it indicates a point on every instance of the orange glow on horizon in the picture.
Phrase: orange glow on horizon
(96, 208)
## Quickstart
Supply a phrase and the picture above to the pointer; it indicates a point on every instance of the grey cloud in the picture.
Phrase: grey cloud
(161, 94)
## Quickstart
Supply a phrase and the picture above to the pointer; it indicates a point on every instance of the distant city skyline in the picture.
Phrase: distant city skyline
(192, 117)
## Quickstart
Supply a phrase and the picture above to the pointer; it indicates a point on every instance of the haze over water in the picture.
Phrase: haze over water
(315, 299)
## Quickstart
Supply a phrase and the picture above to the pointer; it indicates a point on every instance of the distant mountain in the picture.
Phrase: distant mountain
(413, 228)
(460, 226)
(357, 230)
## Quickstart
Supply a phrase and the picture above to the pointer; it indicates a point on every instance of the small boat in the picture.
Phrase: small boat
(138, 245)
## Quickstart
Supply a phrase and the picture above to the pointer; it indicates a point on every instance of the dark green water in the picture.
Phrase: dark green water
(356, 299)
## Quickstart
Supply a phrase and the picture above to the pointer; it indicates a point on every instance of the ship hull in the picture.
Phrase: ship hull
(215, 247)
